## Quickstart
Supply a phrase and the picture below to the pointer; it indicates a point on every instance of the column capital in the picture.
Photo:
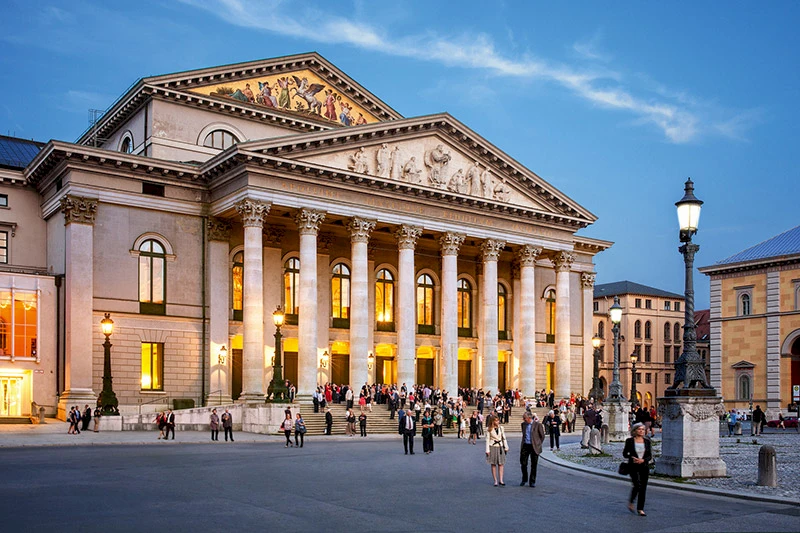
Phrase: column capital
(451, 242)
(491, 249)
(407, 236)
(562, 261)
(253, 212)
(587, 280)
(273, 235)
(218, 229)
(360, 229)
(324, 241)
(527, 255)
(308, 221)
(78, 209)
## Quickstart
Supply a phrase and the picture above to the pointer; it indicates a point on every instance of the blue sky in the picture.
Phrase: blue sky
(615, 105)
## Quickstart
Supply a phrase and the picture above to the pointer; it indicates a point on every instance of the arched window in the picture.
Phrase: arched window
(502, 312)
(464, 308)
(677, 333)
(550, 303)
(152, 278)
(220, 139)
(667, 332)
(601, 330)
(291, 282)
(384, 300)
(647, 330)
(237, 285)
(744, 387)
(340, 296)
(425, 304)
(745, 304)
(126, 146)
(637, 329)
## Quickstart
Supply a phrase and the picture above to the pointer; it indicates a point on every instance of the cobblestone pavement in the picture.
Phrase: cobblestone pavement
(740, 455)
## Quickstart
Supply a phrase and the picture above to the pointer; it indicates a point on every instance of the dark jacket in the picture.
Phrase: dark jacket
(328, 418)
(629, 452)
(404, 430)
(553, 424)
(537, 436)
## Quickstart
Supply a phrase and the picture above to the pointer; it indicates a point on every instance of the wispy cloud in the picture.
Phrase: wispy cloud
(679, 121)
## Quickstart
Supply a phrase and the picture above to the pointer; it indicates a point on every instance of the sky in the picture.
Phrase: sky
(613, 104)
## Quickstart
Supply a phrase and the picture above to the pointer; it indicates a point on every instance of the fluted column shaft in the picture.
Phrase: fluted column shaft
(405, 314)
(491, 252)
(308, 223)
(360, 230)
(526, 338)
(563, 262)
(448, 358)
(218, 309)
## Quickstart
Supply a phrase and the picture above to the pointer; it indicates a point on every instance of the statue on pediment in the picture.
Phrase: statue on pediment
(486, 184)
(307, 92)
(383, 158)
(501, 192)
(396, 171)
(457, 182)
(436, 160)
(410, 172)
(474, 179)
(358, 162)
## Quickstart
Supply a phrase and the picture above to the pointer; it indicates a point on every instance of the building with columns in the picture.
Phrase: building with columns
(201, 201)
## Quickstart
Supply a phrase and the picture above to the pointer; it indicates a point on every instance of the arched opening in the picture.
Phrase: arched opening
(384, 300)
(464, 308)
(237, 285)
(425, 305)
(340, 296)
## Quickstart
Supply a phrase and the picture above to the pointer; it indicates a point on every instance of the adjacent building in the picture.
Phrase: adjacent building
(402, 250)
(651, 327)
(755, 324)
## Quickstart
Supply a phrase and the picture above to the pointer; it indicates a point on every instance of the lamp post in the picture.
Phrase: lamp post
(223, 355)
(615, 389)
(108, 400)
(595, 392)
(323, 361)
(370, 365)
(277, 388)
(634, 358)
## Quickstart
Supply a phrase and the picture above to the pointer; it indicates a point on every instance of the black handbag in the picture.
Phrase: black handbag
(624, 468)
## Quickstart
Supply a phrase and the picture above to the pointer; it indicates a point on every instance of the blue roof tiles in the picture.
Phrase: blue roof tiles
(17, 153)
(787, 243)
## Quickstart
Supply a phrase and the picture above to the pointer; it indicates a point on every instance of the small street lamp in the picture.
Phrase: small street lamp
(277, 388)
(323, 361)
(108, 400)
(634, 358)
(223, 355)
(615, 389)
(370, 360)
(595, 392)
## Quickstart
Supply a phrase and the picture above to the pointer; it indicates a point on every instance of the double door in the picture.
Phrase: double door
(11, 395)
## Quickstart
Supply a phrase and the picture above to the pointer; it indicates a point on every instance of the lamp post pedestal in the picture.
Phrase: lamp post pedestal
(617, 416)
(690, 436)
(108, 400)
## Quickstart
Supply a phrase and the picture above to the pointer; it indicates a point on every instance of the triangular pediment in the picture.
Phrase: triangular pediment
(430, 152)
(743, 365)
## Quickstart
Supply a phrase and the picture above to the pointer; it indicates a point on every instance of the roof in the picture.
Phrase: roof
(703, 326)
(628, 287)
(16, 152)
(787, 243)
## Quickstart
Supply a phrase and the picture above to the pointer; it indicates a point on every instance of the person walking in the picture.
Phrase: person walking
(299, 430)
(328, 421)
(427, 432)
(227, 425)
(496, 449)
(286, 427)
(170, 424)
(409, 429)
(71, 420)
(161, 424)
(731, 422)
(362, 424)
(473, 428)
(531, 447)
(638, 452)
(757, 421)
(553, 422)
(214, 424)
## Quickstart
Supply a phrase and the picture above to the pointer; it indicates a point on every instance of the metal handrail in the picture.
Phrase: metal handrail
(213, 392)
(154, 400)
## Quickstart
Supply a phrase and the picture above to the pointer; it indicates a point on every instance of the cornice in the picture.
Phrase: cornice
(785, 262)
(591, 246)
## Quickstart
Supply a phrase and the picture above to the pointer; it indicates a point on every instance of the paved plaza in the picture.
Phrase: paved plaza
(337, 484)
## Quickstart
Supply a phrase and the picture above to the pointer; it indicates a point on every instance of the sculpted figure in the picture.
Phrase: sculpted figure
(410, 171)
(487, 185)
(456, 183)
(383, 158)
(358, 162)
(474, 179)
(396, 172)
(436, 160)
(501, 191)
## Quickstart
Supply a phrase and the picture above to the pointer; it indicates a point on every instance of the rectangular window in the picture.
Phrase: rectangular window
(153, 189)
(648, 304)
(638, 377)
(3, 200)
(648, 353)
(677, 306)
(18, 318)
(596, 306)
(648, 378)
(152, 366)
(667, 353)
(4, 247)
(667, 306)
(638, 303)
(667, 379)
(677, 352)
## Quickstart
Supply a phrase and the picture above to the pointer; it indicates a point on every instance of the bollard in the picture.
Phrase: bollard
(587, 432)
(737, 428)
(604, 434)
(595, 448)
(767, 467)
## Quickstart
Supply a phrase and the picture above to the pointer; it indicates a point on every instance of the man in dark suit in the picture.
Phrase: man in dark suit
(170, 424)
(409, 429)
(328, 421)
(532, 438)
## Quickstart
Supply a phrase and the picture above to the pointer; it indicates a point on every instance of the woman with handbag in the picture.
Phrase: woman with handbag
(639, 453)
(496, 449)
(286, 426)
(299, 430)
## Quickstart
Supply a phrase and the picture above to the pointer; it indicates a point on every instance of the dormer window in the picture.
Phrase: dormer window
(126, 145)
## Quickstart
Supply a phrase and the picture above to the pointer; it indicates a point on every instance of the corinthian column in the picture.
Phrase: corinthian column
(562, 262)
(448, 363)
(79, 216)
(587, 281)
(253, 213)
(406, 305)
(491, 253)
(360, 230)
(526, 340)
(308, 223)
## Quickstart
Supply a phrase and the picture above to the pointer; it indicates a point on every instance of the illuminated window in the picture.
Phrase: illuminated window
(220, 139)
(551, 315)
(502, 312)
(340, 296)
(291, 283)
(237, 285)
(152, 366)
(18, 318)
(384, 300)
(152, 278)
(464, 308)
(425, 304)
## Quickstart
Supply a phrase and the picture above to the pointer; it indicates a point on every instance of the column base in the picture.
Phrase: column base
(71, 398)
(217, 399)
(617, 416)
(690, 437)
(251, 397)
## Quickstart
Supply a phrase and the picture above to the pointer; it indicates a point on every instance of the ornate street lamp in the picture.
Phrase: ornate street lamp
(108, 400)
(690, 373)
(595, 392)
(634, 358)
(370, 361)
(615, 389)
(223, 355)
(277, 388)
(323, 361)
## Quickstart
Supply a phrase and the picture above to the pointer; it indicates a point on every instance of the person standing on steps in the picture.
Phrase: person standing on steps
(362, 424)
(532, 439)
(328, 421)
(227, 425)
(409, 428)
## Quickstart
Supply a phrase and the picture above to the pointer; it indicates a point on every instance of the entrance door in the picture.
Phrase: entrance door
(425, 371)
(501, 376)
(550, 376)
(236, 373)
(465, 374)
(385, 370)
(290, 367)
(340, 368)
(11, 396)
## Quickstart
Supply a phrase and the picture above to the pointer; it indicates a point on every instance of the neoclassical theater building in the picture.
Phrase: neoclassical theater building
(402, 250)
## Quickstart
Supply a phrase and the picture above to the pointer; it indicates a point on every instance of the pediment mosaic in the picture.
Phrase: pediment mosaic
(302, 92)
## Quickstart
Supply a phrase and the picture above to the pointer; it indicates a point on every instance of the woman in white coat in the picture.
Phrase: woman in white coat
(496, 449)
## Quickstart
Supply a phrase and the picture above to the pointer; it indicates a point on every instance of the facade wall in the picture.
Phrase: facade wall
(23, 221)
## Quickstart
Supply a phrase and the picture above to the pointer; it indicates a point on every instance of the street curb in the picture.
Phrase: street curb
(550, 457)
